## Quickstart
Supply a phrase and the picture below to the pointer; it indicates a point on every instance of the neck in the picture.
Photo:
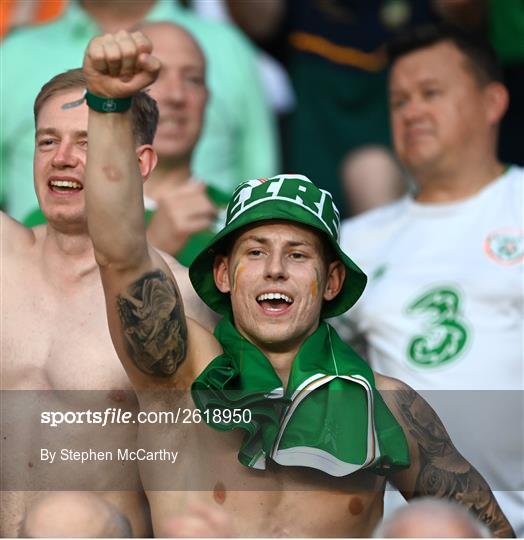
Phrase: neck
(68, 256)
(164, 177)
(112, 16)
(442, 186)
(281, 363)
(282, 355)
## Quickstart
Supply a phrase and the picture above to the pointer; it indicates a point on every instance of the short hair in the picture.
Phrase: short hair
(144, 110)
(479, 54)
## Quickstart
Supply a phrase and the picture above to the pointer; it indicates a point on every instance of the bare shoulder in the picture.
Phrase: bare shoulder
(180, 272)
(392, 389)
(194, 307)
(412, 411)
(15, 237)
(396, 394)
(404, 402)
(384, 383)
(203, 346)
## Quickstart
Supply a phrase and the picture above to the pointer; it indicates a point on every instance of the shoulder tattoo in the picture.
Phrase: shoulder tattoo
(154, 324)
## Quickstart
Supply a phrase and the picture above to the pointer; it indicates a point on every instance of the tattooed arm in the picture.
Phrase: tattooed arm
(153, 323)
(437, 468)
(146, 317)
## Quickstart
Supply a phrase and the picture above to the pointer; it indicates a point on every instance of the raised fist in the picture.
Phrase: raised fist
(120, 65)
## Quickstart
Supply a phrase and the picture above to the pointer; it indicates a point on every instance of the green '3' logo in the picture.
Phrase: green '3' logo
(444, 333)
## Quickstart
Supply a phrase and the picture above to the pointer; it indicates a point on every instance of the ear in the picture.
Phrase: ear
(221, 273)
(497, 101)
(335, 279)
(147, 160)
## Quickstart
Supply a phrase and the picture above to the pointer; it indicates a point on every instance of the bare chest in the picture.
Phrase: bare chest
(55, 345)
(277, 502)
(306, 512)
(57, 341)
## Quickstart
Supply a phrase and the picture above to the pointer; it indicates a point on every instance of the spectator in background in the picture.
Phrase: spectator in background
(73, 514)
(274, 77)
(371, 177)
(503, 22)
(238, 140)
(336, 59)
(443, 309)
(52, 286)
(183, 214)
(432, 518)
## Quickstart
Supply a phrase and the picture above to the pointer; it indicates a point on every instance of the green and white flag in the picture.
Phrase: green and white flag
(331, 417)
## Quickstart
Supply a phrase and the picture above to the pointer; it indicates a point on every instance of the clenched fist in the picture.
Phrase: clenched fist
(120, 65)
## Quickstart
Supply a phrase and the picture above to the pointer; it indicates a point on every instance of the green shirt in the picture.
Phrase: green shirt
(238, 140)
(195, 243)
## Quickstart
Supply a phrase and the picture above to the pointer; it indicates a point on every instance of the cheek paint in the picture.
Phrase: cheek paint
(236, 273)
(315, 284)
(314, 288)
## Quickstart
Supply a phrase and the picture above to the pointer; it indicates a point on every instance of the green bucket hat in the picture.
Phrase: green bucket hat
(284, 197)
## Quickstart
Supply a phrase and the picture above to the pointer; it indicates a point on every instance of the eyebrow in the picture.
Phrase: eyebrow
(430, 80)
(259, 239)
(263, 240)
(52, 131)
(193, 67)
(296, 243)
(426, 80)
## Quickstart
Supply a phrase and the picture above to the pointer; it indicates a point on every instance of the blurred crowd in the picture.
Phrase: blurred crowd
(296, 85)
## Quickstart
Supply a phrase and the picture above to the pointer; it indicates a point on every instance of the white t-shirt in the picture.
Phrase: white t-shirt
(444, 310)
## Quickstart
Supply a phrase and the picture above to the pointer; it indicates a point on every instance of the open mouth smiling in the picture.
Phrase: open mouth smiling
(274, 302)
(64, 186)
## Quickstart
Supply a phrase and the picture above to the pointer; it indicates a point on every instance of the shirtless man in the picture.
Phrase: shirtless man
(181, 210)
(54, 334)
(277, 267)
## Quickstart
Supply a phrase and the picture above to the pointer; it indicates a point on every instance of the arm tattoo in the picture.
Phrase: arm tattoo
(154, 325)
(443, 471)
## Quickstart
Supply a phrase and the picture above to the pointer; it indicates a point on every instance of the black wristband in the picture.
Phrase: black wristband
(108, 105)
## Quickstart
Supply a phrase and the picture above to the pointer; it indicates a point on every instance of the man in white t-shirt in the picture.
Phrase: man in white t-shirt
(443, 310)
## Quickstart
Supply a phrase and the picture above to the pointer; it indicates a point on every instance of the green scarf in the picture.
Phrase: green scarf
(331, 417)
